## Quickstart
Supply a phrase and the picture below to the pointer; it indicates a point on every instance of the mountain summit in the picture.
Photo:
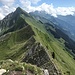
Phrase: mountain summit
(24, 39)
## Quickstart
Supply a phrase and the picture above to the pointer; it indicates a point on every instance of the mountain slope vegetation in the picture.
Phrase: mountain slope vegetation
(29, 40)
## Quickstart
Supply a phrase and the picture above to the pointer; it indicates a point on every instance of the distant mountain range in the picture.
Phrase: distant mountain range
(67, 23)
(36, 43)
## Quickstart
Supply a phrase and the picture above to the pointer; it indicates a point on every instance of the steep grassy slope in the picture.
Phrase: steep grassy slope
(15, 44)
(11, 42)
(63, 59)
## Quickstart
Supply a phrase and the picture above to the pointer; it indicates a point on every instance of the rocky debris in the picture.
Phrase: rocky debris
(19, 73)
(18, 68)
(10, 60)
(46, 72)
(15, 73)
(2, 71)
(37, 55)
(29, 73)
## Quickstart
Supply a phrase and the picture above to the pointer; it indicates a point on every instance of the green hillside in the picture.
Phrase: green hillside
(63, 60)
(27, 37)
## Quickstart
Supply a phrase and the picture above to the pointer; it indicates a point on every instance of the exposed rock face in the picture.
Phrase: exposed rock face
(6, 21)
(11, 19)
(37, 55)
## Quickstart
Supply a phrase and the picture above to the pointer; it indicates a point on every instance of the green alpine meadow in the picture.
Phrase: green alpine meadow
(31, 44)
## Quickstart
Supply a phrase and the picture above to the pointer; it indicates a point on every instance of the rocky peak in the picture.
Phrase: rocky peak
(12, 18)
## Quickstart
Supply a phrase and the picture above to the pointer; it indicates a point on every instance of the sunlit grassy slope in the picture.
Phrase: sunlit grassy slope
(63, 59)
(12, 45)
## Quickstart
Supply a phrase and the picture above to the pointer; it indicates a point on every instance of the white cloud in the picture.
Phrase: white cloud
(5, 10)
(29, 2)
(7, 2)
(1, 16)
(48, 8)
(26, 4)
(34, 1)
(56, 11)
(65, 11)
(8, 7)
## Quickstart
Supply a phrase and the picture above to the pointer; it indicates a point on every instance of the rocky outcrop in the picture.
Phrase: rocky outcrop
(2, 71)
(4, 24)
(13, 20)
(37, 55)
(46, 72)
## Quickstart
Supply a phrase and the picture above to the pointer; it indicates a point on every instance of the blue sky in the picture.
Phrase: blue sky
(53, 7)
(61, 3)
(56, 3)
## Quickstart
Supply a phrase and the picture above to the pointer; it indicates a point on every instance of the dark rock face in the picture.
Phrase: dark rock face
(37, 55)
(11, 19)
(4, 24)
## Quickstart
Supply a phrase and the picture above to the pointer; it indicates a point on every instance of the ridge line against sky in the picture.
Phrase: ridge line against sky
(53, 7)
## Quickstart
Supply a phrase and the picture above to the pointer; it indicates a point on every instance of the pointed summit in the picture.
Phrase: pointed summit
(12, 18)
(18, 8)
(20, 11)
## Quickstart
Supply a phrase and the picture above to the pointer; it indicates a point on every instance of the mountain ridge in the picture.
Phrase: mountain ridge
(66, 23)
(30, 40)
